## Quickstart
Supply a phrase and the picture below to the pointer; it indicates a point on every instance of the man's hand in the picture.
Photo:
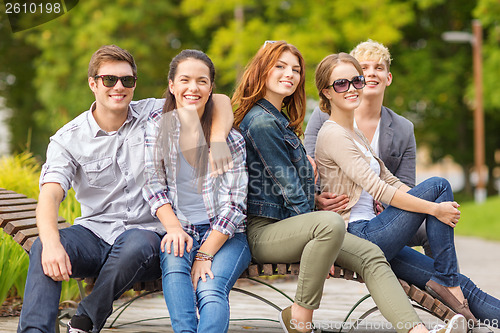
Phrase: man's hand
(331, 201)
(55, 262)
(220, 158)
(377, 207)
(176, 237)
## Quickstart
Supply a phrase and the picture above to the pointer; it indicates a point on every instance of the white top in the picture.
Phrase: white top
(375, 140)
(364, 208)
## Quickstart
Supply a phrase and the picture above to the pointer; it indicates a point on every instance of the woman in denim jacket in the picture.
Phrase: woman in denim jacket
(205, 248)
(282, 224)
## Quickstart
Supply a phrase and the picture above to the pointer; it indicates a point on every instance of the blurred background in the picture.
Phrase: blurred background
(43, 79)
(43, 70)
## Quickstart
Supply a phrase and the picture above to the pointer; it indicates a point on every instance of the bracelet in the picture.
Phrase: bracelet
(202, 256)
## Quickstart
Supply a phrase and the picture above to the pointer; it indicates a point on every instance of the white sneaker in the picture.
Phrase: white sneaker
(457, 324)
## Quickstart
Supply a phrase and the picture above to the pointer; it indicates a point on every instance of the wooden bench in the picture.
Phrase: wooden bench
(17, 218)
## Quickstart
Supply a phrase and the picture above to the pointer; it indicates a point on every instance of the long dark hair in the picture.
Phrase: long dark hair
(169, 123)
(170, 102)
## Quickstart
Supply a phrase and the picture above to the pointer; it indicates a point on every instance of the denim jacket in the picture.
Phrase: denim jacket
(281, 178)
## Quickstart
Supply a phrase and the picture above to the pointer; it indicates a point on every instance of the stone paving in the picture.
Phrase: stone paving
(478, 259)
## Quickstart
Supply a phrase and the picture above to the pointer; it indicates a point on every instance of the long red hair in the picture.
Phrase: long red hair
(252, 86)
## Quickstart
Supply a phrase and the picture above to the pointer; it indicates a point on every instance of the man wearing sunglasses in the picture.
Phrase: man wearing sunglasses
(390, 134)
(100, 154)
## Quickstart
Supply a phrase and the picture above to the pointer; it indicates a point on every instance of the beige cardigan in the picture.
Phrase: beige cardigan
(344, 168)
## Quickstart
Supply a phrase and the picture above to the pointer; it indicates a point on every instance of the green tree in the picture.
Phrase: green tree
(433, 83)
(236, 29)
(17, 71)
(152, 31)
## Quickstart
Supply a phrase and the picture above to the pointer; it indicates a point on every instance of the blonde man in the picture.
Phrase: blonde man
(390, 135)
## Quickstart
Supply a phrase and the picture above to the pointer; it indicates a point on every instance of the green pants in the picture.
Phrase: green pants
(319, 239)
(366, 259)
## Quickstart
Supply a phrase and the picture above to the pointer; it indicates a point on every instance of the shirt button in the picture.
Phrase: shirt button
(126, 173)
(128, 209)
(127, 191)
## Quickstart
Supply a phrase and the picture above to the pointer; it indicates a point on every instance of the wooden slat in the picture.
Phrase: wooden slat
(282, 269)
(13, 227)
(253, 270)
(4, 218)
(16, 202)
(2, 190)
(7, 196)
(294, 269)
(22, 235)
(15, 209)
(28, 242)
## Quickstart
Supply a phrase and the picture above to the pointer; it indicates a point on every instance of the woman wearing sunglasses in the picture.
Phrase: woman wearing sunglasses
(282, 224)
(205, 248)
(347, 165)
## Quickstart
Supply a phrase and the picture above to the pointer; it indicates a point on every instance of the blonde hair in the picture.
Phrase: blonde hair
(372, 50)
(252, 86)
(324, 72)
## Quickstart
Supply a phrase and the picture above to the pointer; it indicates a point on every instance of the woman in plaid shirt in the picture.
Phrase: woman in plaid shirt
(204, 214)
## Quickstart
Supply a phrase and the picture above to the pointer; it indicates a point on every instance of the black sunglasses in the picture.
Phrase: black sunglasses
(342, 85)
(111, 80)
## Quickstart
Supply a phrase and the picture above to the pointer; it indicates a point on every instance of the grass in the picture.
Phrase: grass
(480, 220)
(20, 173)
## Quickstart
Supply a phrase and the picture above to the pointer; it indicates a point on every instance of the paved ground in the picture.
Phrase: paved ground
(478, 259)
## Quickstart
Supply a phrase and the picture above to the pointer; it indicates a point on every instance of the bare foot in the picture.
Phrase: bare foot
(302, 317)
(457, 292)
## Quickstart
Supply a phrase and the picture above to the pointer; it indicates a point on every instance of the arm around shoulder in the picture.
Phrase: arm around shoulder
(220, 157)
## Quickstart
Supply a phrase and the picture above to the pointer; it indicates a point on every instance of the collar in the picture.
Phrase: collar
(96, 130)
(269, 108)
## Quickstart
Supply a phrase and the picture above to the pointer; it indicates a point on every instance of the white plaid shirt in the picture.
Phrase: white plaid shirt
(224, 196)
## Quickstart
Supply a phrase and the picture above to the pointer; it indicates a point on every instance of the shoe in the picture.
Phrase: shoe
(457, 324)
(79, 324)
(444, 295)
(286, 321)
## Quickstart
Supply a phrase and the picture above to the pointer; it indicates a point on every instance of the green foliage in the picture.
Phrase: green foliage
(236, 29)
(152, 31)
(13, 267)
(20, 173)
(480, 220)
(433, 82)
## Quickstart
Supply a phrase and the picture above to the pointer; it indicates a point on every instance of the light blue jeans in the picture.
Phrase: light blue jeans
(211, 297)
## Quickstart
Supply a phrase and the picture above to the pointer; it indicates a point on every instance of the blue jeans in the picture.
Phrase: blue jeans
(133, 257)
(416, 268)
(394, 228)
(211, 297)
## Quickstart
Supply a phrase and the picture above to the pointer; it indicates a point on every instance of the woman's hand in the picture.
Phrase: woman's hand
(448, 213)
(199, 270)
(176, 237)
(313, 163)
